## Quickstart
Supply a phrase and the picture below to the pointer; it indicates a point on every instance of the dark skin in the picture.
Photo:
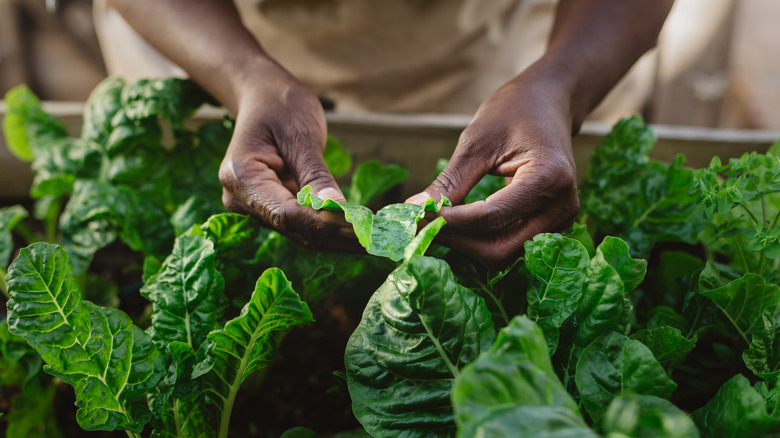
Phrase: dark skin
(522, 131)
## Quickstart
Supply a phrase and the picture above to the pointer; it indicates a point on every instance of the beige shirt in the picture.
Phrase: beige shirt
(442, 56)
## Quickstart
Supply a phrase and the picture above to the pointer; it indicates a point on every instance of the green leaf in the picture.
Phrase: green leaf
(386, 233)
(557, 268)
(423, 239)
(744, 300)
(186, 414)
(9, 217)
(668, 345)
(26, 124)
(515, 373)
(736, 411)
(248, 342)
(184, 293)
(418, 330)
(604, 306)
(110, 363)
(647, 416)
(622, 152)
(34, 417)
(615, 365)
(615, 252)
(763, 355)
(371, 180)
(336, 157)
(98, 213)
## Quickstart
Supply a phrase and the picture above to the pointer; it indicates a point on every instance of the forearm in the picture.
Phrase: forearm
(206, 38)
(595, 42)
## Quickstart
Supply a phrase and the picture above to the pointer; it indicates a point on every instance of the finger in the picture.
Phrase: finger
(498, 250)
(302, 148)
(251, 187)
(464, 170)
(535, 188)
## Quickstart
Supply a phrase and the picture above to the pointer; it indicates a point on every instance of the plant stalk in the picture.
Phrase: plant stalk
(744, 207)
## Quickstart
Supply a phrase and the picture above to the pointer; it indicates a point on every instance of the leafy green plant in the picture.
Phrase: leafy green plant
(598, 331)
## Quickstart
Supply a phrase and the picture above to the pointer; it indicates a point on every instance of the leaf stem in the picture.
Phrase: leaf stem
(453, 369)
(495, 299)
(774, 222)
(763, 210)
(176, 419)
(755, 219)
(132, 434)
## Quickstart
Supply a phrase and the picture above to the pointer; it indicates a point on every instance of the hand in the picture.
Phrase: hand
(522, 132)
(276, 149)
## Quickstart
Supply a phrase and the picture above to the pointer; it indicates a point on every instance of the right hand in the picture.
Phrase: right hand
(277, 148)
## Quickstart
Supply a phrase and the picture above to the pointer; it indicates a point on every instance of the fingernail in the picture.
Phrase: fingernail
(418, 199)
(330, 193)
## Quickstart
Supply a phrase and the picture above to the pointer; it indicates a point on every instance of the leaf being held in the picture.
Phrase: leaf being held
(386, 233)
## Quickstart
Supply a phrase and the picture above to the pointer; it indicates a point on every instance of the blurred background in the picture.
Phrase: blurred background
(716, 64)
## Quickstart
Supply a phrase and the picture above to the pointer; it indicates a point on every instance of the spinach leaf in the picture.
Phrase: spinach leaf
(557, 271)
(737, 410)
(512, 390)
(111, 363)
(386, 233)
(647, 416)
(418, 330)
(614, 365)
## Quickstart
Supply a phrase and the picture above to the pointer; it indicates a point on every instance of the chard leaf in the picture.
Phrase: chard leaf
(98, 213)
(647, 416)
(744, 301)
(763, 355)
(26, 124)
(186, 414)
(371, 180)
(110, 363)
(737, 410)
(336, 157)
(418, 330)
(386, 233)
(511, 381)
(557, 268)
(248, 342)
(9, 217)
(184, 293)
(615, 365)
(668, 344)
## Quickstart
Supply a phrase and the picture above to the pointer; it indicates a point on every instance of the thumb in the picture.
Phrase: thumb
(455, 181)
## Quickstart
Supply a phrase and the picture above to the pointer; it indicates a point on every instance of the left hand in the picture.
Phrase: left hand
(522, 132)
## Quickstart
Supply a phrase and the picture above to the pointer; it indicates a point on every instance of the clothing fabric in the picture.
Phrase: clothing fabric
(431, 56)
